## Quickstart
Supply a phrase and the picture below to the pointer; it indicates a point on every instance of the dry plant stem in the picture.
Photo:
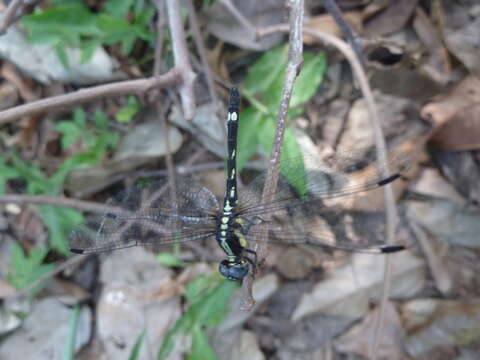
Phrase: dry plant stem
(159, 107)
(197, 37)
(160, 5)
(180, 54)
(347, 31)
(9, 16)
(249, 27)
(294, 65)
(168, 79)
(391, 211)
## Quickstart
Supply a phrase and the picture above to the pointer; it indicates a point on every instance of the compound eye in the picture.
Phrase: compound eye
(234, 271)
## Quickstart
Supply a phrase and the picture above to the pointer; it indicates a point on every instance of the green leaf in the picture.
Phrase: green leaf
(293, 171)
(70, 131)
(247, 136)
(62, 54)
(69, 21)
(135, 353)
(25, 269)
(69, 352)
(310, 78)
(6, 173)
(60, 221)
(209, 298)
(37, 182)
(101, 120)
(170, 260)
(118, 8)
(201, 349)
(127, 112)
(267, 70)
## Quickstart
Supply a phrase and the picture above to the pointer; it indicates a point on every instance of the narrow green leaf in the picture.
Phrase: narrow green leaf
(69, 352)
(201, 349)
(135, 353)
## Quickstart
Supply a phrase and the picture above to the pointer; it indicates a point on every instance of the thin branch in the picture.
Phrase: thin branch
(170, 78)
(294, 65)
(82, 205)
(15, 10)
(180, 53)
(197, 37)
(391, 210)
(350, 35)
(249, 27)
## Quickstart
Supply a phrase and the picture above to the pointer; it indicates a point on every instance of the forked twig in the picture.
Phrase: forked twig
(294, 65)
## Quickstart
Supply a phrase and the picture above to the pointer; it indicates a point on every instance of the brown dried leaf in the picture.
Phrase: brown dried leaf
(392, 19)
(461, 132)
(438, 63)
(325, 23)
(461, 97)
(439, 324)
(359, 339)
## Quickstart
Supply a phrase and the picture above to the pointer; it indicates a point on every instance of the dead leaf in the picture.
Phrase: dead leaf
(461, 132)
(464, 43)
(446, 220)
(462, 96)
(325, 23)
(439, 324)
(431, 182)
(222, 24)
(438, 63)
(347, 290)
(359, 339)
(390, 20)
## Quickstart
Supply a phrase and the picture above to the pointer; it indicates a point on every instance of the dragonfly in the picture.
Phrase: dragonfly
(156, 214)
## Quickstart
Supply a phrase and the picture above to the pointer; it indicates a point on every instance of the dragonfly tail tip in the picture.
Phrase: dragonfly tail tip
(76, 251)
(391, 249)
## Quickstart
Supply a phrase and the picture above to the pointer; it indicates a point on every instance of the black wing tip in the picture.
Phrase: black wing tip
(388, 179)
(77, 251)
(392, 249)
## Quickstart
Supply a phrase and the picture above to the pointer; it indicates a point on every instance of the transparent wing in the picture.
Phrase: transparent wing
(150, 215)
(332, 228)
(317, 180)
(316, 205)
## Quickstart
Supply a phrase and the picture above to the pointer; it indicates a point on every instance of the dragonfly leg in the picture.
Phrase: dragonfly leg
(252, 262)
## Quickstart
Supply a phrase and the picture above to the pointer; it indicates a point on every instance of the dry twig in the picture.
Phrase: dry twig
(391, 211)
(294, 65)
(94, 93)
(180, 53)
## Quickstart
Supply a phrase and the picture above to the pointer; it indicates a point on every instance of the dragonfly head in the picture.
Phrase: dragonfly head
(234, 270)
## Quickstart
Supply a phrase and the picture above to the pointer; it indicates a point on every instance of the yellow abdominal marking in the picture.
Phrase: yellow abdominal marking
(233, 154)
(241, 238)
(224, 227)
(232, 192)
(233, 116)
(225, 219)
(223, 233)
(233, 174)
